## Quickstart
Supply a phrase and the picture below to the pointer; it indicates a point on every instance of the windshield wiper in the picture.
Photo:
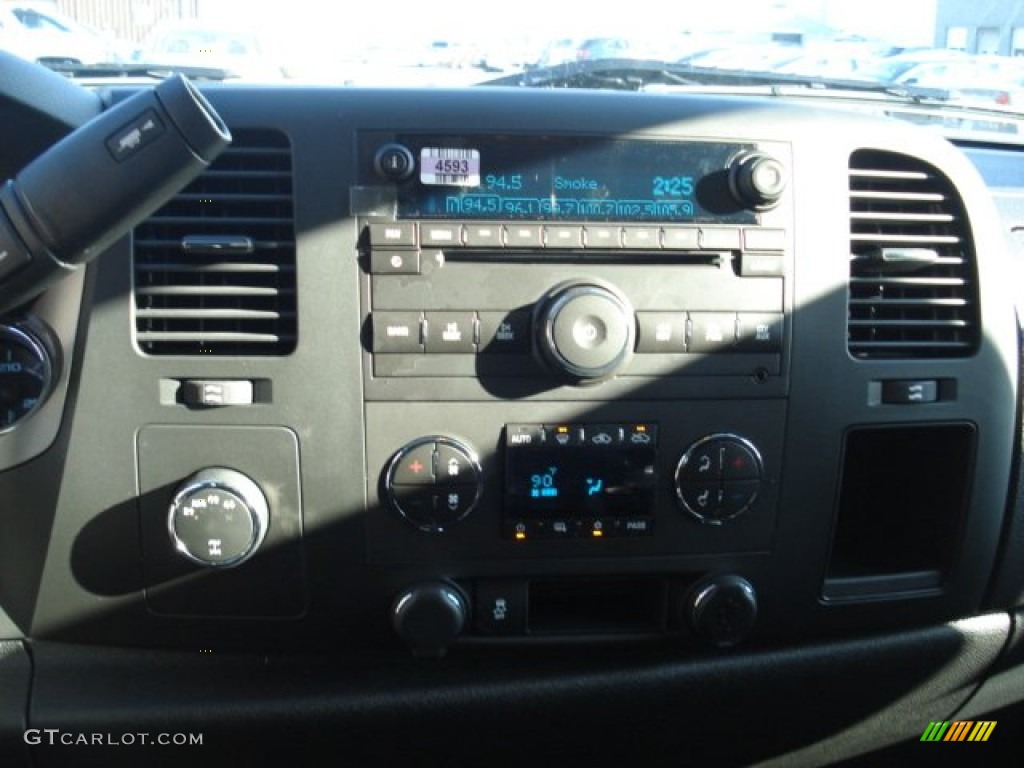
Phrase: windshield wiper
(640, 74)
(134, 70)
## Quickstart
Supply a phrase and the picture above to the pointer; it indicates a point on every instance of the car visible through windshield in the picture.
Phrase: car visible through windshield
(959, 57)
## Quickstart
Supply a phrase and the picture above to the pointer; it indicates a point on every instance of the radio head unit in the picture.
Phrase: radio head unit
(561, 178)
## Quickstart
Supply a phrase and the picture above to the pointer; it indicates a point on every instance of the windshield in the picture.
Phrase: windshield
(966, 54)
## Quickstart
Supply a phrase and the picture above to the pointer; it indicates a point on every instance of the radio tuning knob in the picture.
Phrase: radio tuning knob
(585, 330)
(218, 518)
(757, 180)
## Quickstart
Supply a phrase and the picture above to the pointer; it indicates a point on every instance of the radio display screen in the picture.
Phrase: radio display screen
(559, 178)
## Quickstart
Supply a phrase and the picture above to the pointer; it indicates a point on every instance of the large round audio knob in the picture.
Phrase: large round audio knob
(757, 180)
(721, 610)
(585, 330)
(430, 617)
(218, 518)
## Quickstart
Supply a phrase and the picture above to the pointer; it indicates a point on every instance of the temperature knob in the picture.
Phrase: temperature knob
(430, 617)
(433, 482)
(218, 518)
(721, 610)
(586, 330)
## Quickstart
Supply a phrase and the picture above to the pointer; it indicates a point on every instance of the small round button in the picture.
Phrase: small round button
(585, 330)
(394, 162)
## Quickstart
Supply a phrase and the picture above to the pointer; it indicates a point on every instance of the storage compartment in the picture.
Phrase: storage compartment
(597, 606)
(901, 506)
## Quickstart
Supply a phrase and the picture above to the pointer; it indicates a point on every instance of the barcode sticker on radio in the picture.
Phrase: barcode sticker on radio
(450, 166)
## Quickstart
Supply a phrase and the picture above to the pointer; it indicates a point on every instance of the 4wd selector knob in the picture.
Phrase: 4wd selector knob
(218, 518)
(585, 330)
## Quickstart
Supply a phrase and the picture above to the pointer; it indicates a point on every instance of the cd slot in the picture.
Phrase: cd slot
(698, 258)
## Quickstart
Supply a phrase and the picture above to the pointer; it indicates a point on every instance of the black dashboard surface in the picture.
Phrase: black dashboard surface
(645, 414)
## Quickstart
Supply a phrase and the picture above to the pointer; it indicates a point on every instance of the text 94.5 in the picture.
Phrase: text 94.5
(512, 182)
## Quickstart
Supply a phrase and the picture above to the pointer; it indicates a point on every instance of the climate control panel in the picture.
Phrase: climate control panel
(433, 482)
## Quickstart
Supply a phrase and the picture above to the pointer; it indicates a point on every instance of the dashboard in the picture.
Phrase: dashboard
(524, 424)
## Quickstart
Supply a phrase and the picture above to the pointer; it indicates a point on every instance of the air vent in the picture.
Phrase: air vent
(913, 287)
(215, 267)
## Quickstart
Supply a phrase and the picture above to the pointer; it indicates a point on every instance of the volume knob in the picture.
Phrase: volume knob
(585, 330)
(758, 180)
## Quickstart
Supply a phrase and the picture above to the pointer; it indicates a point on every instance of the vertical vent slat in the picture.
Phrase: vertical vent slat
(913, 279)
(214, 269)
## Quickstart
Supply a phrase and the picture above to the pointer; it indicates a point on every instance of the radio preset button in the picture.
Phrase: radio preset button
(523, 236)
(712, 331)
(602, 237)
(505, 332)
(661, 332)
(396, 332)
(762, 265)
(681, 238)
(395, 262)
(391, 235)
(441, 234)
(563, 237)
(450, 332)
(641, 237)
(759, 332)
(764, 239)
(483, 235)
(720, 239)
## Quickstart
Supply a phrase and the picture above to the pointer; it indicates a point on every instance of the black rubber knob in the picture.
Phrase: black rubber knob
(721, 610)
(758, 180)
(430, 617)
(585, 330)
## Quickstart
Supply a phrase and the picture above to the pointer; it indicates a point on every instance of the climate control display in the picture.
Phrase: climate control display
(579, 480)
